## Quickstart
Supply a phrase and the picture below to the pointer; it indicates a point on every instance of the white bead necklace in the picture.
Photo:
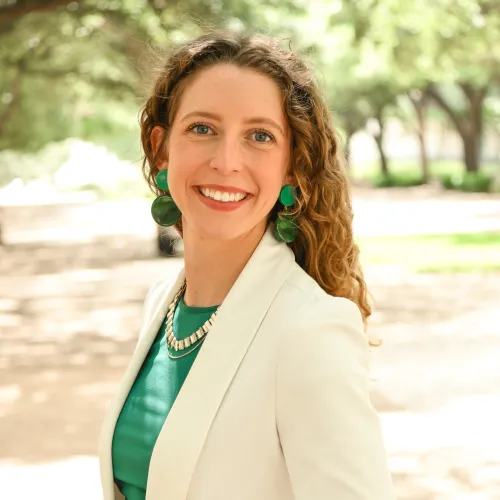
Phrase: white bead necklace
(200, 334)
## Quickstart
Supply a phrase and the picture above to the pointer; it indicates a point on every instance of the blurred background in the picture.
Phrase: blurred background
(415, 91)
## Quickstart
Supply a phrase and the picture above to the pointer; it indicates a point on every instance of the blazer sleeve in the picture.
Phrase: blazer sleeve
(330, 433)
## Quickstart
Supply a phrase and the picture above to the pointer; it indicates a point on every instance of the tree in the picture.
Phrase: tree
(458, 54)
(420, 102)
(361, 92)
(454, 46)
(89, 48)
(49, 67)
(468, 118)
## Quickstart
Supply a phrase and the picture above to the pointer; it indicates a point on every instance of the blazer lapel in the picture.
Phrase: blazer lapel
(153, 318)
(183, 435)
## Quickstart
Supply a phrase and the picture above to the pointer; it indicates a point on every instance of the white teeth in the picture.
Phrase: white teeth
(223, 196)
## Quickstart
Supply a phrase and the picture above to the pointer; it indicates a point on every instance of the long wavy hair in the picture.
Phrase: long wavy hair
(325, 247)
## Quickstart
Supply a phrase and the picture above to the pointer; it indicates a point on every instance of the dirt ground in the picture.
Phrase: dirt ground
(69, 315)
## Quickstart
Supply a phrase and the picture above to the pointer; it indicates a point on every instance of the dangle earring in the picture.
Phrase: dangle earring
(164, 210)
(286, 228)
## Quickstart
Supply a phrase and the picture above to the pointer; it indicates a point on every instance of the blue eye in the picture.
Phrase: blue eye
(262, 136)
(200, 129)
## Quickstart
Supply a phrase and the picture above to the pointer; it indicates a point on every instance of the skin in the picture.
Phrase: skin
(229, 134)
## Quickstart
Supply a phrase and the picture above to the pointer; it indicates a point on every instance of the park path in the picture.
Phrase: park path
(69, 315)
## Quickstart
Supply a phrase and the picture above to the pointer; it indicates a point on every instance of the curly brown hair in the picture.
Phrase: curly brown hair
(325, 247)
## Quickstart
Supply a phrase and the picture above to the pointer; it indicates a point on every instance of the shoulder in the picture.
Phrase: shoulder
(307, 300)
(322, 326)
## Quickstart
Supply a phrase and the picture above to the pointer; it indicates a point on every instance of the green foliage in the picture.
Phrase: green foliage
(52, 66)
(470, 182)
(95, 188)
(122, 190)
(114, 126)
(38, 120)
(28, 167)
(402, 179)
(80, 68)
(492, 110)
(449, 49)
(58, 58)
(369, 171)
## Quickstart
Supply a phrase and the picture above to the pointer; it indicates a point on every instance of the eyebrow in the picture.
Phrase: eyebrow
(250, 121)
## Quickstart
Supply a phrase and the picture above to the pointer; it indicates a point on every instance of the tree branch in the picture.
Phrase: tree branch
(15, 10)
(472, 93)
(97, 81)
(433, 92)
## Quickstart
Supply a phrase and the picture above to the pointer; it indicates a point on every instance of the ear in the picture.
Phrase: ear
(287, 180)
(159, 145)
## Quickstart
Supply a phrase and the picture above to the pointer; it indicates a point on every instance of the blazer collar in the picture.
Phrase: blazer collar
(183, 435)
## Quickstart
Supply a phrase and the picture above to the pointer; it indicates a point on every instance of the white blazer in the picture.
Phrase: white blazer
(276, 404)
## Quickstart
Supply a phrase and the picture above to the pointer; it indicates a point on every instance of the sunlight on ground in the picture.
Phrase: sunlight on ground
(76, 478)
(452, 453)
(435, 253)
(469, 421)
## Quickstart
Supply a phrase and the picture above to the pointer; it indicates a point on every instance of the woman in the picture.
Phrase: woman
(250, 378)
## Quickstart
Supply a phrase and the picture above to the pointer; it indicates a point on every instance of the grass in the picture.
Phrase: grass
(453, 253)
(371, 171)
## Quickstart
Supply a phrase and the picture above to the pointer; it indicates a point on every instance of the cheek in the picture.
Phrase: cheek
(272, 174)
(184, 160)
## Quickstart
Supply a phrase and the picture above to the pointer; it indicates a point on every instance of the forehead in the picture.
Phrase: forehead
(230, 91)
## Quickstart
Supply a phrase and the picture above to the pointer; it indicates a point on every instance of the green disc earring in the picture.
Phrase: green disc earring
(164, 210)
(286, 228)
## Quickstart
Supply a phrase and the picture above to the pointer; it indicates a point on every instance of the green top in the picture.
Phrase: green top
(149, 402)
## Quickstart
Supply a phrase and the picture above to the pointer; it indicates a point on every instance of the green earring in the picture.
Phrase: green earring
(164, 210)
(286, 228)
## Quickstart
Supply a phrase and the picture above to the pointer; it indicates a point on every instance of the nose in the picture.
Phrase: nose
(228, 156)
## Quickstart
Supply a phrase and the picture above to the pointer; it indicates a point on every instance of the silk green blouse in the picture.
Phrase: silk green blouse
(149, 402)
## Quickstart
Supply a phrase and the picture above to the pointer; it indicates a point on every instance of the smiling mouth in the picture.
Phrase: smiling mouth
(223, 196)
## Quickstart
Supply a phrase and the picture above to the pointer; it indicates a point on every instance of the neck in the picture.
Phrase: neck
(213, 266)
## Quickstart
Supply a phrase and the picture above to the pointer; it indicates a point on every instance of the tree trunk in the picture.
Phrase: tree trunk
(471, 152)
(379, 140)
(468, 126)
(473, 128)
(15, 92)
(347, 144)
(419, 101)
(347, 149)
(424, 159)
(384, 164)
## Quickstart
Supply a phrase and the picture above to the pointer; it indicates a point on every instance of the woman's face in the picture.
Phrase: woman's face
(228, 152)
